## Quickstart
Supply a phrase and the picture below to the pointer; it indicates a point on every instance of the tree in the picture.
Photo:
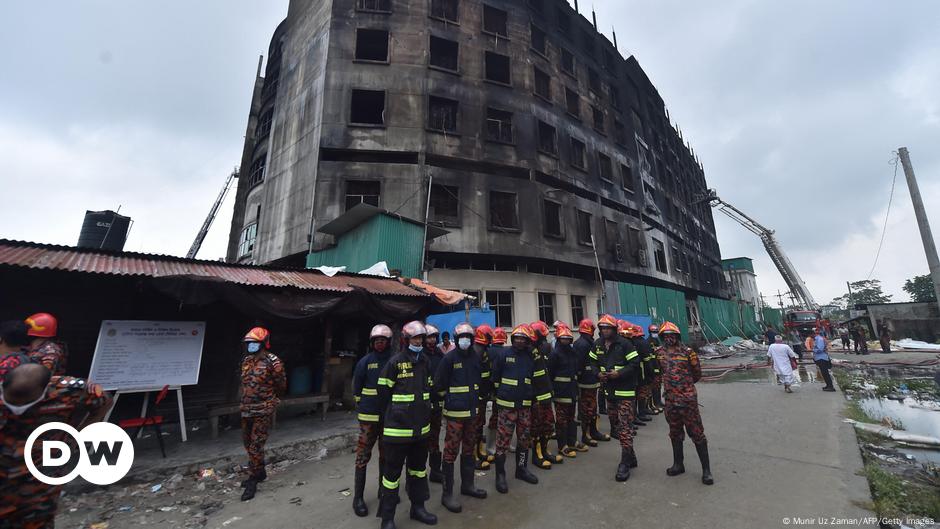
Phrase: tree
(862, 292)
(920, 288)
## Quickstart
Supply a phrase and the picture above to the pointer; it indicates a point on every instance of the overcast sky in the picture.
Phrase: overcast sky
(795, 109)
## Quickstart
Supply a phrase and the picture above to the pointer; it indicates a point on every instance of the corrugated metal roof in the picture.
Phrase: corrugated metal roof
(72, 259)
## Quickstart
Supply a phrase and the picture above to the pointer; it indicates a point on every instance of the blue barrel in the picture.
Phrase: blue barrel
(301, 381)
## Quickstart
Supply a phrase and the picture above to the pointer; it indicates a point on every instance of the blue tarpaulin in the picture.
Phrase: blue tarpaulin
(447, 322)
(643, 320)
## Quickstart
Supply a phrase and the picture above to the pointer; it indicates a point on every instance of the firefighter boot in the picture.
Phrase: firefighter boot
(448, 499)
(587, 437)
(643, 410)
(596, 433)
(251, 486)
(386, 510)
(678, 466)
(573, 441)
(522, 467)
(555, 459)
(658, 399)
(258, 479)
(538, 458)
(633, 462)
(467, 487)
(490, 444)
(419, 513)
(702, 449)
(562, 439)
(623, 469)
(501, 485)
(434, 461)
(359, 504)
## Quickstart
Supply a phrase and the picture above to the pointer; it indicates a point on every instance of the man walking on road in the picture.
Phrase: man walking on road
(782, 357)
(821, 357)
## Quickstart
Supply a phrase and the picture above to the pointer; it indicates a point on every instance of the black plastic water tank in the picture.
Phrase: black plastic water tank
(106, 230)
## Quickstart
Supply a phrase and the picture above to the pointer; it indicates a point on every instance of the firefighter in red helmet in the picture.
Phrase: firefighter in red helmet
(483, 338)
(588, 385)
(543, 415)
(434, 439)
(44, 348)
(619, 364)
(263, 382)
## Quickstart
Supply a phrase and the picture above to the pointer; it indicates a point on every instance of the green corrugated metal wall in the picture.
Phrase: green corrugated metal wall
(722, 318)
(381, 238)
(773, 317)
(660, 303)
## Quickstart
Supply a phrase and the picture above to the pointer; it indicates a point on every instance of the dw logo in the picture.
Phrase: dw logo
(105, 453)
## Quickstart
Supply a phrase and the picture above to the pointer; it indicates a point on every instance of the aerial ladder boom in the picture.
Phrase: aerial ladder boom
(201, 236)
(781, 261)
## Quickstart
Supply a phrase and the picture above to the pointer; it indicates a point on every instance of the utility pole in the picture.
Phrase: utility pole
(930, 248)
(848, 303)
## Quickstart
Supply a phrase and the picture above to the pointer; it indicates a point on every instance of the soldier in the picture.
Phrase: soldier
(563, 369)
(44, 349)
(405, 397)
(588, 384)
(365, 390)
(619, 366)
(543, 416)
(458, 380)
(681, 370)
(656, 389)
(29, 398)
(512, 376)
(483, 346)
(263, 382)
(434, 439)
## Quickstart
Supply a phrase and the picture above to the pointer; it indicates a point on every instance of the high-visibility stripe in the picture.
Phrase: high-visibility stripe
(562, 379)
(398, 397)
(456, 414)
(427, 396)
(397, 432)
(562, 400)
(460, 389)
(386, 382)
(391, 485)
(368, 417)
(543, 396)
(370, 391)
(624, 393)
(505, 403)
(528, 381)
(357, 398)
(632, 355)
(527, 403)
(423, 473)
(426, 429)
(590, 386)
(485, 374)
(442, 393)
(592, 355)
(539, 373)
(617, 368)
(509, 381)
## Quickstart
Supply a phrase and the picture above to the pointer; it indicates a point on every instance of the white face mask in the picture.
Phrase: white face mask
(463, 343)
(415, 348)
(20, 410)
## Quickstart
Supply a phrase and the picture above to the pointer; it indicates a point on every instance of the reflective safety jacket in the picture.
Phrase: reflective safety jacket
(649, 366)
(619, 357)
(457, 380)
(405, 397)
(512, 377)
(434, 360)
(487, 354)
(587, 369)
(541, 382)
(366, 385)
(563, 369)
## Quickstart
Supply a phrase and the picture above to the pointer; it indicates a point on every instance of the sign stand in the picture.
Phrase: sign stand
(143, 408)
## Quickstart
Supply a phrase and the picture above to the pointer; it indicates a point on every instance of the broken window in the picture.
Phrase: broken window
(551, 217)
(367, 107)
(572, 102)
(614, 96)
(577, 153)
(594, 81)
(442, 114)
(504, 210)
(445, 9)
(637, 122)
(577, 308)
(626, 177)
(637, 246)
(498, 125)
(497, 67)
(598, 119)
(676, 259)
(264, 123)
(362, 192)
(371, 45)
(584, 227)
(620, 133)
(444, 53)
(659, 254)
(546, 306)
(567, 61)
(256, 171)
(543, 84)
(538, 41)
(500, 302)
(612, 236)
(605, 167)
(384, 6)
(495, 21)
(445, 205)
(246, 240)
(547, 138)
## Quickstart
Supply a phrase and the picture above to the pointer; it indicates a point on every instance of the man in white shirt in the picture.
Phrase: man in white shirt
(779, 355)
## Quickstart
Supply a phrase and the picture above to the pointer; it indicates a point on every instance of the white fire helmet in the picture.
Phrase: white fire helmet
(382, 331)
(413, 328)
(463, 328)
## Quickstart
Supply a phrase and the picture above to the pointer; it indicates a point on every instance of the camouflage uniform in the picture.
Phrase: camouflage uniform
(25, 502)
(54, 355)
(681, 370)
(263, 381)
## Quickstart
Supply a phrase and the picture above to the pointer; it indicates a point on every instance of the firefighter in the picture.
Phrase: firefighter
(588, 384)
(563, 370)
(543, 416)
(30, 397)
(434, 439)
(263, 382)
(44, 349)
(497, 347)
(366, 393)
(458, 379)
(647, 361)
(512, 376)
(619, 366)
(483, 346)
(656, 390)
(680, 371)
(626, 331)
(405, 397)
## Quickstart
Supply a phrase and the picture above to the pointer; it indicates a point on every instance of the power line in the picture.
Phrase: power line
(884, 230)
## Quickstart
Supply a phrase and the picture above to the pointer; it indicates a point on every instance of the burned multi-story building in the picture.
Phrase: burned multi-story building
(515, 125)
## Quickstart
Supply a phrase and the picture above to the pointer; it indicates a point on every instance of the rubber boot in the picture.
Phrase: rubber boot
(251, 486)
(448, 499)
(467, 487)
(359, 504)
(596, 433)
(678, 467)
(633, 462)
(555, 459)
(522, 467)
(388, 523)
(419, 513)
(562, 440)
(538, 459)
(501, 485)
(587, 436)
(623, 469)
(490, 444)
(258, 479)
(434, 461)
(573, 441)
(702, 449)
(643, 411)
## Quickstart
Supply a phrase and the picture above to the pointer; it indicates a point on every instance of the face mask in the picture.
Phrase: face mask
(463, 343)
(20, 410)
(415, 348)
(254, 347)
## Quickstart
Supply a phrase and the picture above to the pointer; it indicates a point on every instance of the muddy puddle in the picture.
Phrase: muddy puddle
(910, 415)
